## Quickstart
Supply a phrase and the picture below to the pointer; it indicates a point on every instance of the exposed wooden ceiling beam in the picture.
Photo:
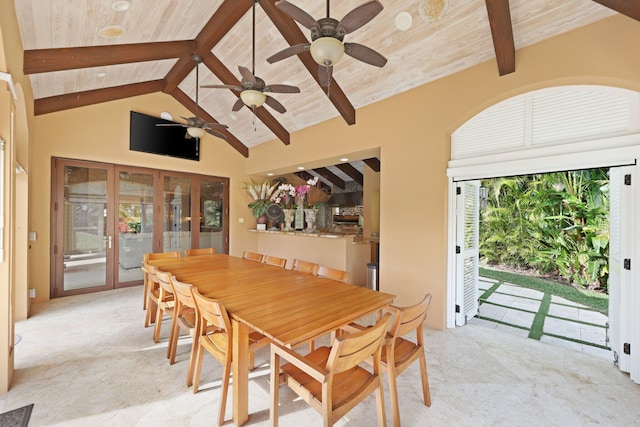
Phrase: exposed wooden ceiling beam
(307, 176)
(626, 7)
(502, 33)
(90, 97)
(373, 163)
(185, 100)
(224, 18)
(227, 77)
(292, 34)
(352, 172)
(331, 177)
(48, 60)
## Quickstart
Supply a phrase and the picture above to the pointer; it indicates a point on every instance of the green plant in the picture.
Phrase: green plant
(552, 223)
(261, 194)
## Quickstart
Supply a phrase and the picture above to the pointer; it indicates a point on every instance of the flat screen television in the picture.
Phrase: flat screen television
(145, 136)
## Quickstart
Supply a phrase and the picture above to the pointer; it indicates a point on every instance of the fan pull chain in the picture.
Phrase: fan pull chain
(255, 129)
(329, 85)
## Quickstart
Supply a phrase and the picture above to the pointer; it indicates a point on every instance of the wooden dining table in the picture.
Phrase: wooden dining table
(288, 307)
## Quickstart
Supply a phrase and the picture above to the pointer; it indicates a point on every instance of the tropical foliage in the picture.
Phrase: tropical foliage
(554, 223)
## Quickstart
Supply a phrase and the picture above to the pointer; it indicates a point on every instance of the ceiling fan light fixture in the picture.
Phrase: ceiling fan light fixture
(327, 51)
(253, 98)
(196, 132)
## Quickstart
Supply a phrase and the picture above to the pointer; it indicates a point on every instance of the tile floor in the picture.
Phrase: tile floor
(88, 361)
(512, 308)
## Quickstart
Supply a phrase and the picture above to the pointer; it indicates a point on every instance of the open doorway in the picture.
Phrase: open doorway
(556, 129)
(544, 258)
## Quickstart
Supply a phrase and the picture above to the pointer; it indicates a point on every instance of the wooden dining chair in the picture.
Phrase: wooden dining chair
(305, 266)
(185, 319)
(332, 273)
(153, 293)
(252, 256)
(166, 305)
(398, 353)
(200, 251)
(330, 380)
(145, 281)
(214, 335)
(274, 260)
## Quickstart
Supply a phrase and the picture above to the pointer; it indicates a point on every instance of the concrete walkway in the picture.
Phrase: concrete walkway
(513, 309)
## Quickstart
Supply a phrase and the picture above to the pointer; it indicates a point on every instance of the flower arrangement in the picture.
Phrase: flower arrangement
(285, 195)
(261, 194)
(288, 196)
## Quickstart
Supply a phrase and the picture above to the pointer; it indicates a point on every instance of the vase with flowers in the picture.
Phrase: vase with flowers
(285, 196)
(296, 205)
(260, 193)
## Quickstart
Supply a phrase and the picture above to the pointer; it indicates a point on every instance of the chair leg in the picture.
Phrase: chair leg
(145, 289)
(275, 389)
(426, 393)
(252, 362)
(156, 330)
(198, 368)
(150, 316)
(226, 372)
(382, 417)
(393, 395)
(173, 339)
(192, 360)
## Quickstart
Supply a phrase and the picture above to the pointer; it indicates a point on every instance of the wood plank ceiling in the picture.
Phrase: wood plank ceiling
(70, 65)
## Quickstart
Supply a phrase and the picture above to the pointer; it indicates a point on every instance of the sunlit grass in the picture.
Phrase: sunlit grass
(595, 300)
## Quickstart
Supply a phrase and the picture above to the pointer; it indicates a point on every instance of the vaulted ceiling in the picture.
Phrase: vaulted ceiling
(71, 65)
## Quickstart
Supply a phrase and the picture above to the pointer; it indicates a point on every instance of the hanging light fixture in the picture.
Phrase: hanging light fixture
(196, 132)
(253, 98)
(327, 51)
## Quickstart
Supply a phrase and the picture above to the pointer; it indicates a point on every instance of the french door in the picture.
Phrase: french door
(105, 217)
(467, 250)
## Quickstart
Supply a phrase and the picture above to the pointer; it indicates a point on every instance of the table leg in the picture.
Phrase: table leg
(240, 367)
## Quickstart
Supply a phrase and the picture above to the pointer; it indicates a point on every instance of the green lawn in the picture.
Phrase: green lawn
(595, 300)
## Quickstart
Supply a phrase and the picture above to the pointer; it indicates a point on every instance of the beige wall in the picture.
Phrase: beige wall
(413, 143)
(101, 133)
(415, 140)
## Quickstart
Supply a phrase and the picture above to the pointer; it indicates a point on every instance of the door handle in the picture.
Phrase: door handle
(110, 241)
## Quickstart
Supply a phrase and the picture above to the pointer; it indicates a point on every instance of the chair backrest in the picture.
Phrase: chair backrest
(410, 318)
(332, 273)
(305, 266)
(183, 292)
(164, 281)
(274, 260)
(200, 251)
(252, 256)
(160, 255)
(213, 315)
(350, 350)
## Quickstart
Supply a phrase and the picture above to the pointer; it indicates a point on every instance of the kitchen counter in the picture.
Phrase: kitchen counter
(346, 252)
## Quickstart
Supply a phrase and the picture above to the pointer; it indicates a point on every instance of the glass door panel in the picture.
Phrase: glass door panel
(86, 239)
(177, 213)
(212, 226)
(135, 223)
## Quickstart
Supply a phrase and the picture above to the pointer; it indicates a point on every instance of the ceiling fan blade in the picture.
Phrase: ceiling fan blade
(232, 87)
(298, 14)
(210, 126)
(216, 133)
(238, 105)
(281, 89)
(289, 51)
(169, 124)
(324, 75)
(247, 75)
(271, 102)
(364, 54)
(360, 16)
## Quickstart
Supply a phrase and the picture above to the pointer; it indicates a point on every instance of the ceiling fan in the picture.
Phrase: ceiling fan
(253, 90)
(196, 126)
(326, 45)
